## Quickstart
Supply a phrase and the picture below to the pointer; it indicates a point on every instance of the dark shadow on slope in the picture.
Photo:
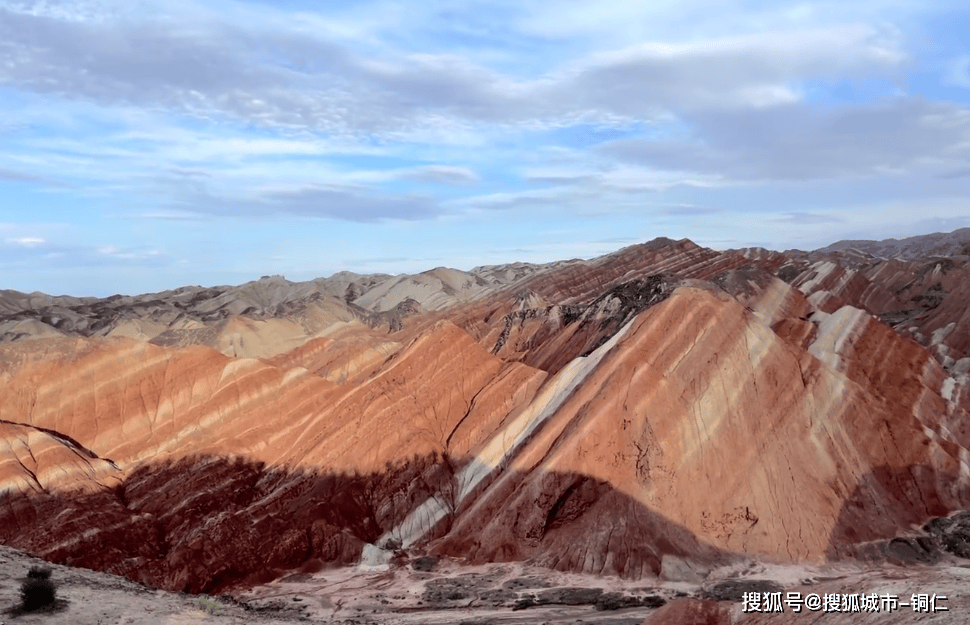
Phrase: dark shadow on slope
(569, 522)
(209, 524)
(876, 521)
(71, 443)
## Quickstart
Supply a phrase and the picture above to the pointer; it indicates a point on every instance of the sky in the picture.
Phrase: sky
(146, 145)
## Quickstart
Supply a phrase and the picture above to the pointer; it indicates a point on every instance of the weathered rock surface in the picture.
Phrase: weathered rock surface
(699, 390)
(921, 299)
(35, 461)
(663, 403)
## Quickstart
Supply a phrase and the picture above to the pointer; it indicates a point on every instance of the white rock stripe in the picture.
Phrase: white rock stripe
(498, 449)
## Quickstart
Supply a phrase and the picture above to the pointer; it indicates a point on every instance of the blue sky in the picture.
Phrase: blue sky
(146, 145)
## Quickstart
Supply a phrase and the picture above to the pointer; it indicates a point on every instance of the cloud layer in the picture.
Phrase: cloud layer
(468, 128)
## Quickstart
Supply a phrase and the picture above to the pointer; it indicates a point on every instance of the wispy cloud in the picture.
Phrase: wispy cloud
(40, 254)
(617, 240)
(314, 201)
(959, 172)
(440, 174)
(286, 77)
(690, 210)
(808, 218)
(794, 142)
(26, 241)
(164, 216)
(11, 175)
(146, 124)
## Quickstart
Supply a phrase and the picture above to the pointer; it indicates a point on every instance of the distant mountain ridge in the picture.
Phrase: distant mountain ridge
(298, 310)
(657, 411)
(956, 243)
(286, 314)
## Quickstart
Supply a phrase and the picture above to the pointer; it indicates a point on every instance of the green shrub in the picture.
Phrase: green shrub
(208, 604)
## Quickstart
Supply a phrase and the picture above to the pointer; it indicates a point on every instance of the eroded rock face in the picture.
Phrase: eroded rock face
(701, 391)
(663, 403)
(205, 523)
(35, 461)
(922, 299)
(134, 402)
(549, 338)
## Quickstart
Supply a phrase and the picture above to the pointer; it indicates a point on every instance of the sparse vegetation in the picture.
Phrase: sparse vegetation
(38, 590)
(208, 604)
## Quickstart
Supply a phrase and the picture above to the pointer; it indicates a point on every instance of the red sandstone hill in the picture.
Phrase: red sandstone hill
(603, 416)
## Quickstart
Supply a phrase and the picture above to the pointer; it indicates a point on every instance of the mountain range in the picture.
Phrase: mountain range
(655, 413)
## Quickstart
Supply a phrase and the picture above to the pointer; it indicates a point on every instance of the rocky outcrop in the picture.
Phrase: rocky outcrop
(666, 403)
(923, 300)
(548, 338)
(36, 461)
(700, 390)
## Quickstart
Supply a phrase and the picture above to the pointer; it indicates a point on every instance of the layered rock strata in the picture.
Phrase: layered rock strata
(665, 401)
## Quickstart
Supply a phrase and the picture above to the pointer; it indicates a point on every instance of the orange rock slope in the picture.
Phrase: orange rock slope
(666, 400)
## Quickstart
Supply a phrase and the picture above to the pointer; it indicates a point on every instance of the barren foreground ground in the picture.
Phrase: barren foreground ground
(453, 594)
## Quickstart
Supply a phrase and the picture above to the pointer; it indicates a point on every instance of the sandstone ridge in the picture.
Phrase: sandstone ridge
(666, 401)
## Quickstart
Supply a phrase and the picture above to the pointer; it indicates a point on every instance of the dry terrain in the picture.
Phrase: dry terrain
(453, 594)
(616, 430)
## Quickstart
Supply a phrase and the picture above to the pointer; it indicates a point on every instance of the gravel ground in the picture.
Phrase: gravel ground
(454, 594)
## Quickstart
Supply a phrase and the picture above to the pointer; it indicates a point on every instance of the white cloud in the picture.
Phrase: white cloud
(283, 77)
(798, 142)
(187, 110)
(26, 241)
(750, 71)
(47, 253)
(513, 199)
